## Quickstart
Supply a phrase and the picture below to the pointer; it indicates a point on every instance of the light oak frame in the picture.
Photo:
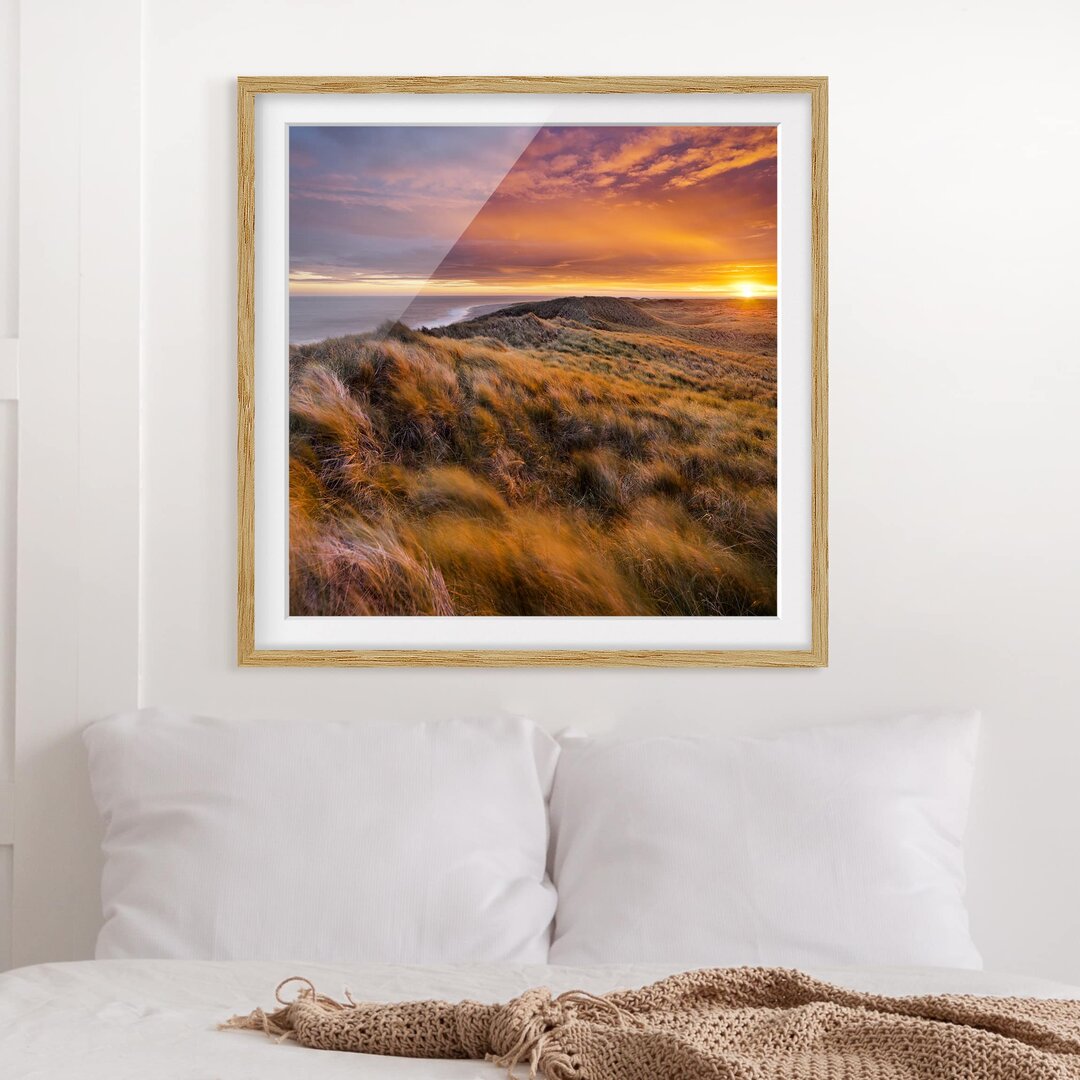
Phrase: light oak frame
(247, 653)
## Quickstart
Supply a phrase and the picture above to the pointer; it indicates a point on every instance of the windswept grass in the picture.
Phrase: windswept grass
(587, 456)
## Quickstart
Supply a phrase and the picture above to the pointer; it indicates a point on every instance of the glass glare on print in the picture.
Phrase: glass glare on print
(533, 370)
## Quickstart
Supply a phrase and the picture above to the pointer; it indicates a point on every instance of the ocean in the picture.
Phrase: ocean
(314, 318)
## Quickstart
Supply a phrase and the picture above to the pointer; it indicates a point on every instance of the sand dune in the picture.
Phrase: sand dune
(578, 456)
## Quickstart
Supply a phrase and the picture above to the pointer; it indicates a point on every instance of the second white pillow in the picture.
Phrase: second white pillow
(826, 846)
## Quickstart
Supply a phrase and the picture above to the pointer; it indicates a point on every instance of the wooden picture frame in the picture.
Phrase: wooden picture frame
(813, 653)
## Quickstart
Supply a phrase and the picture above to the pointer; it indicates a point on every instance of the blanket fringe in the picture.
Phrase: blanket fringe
(278, 1024)
(535, 1043)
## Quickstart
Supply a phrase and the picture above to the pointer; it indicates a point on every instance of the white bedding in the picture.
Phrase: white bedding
(155, 1019)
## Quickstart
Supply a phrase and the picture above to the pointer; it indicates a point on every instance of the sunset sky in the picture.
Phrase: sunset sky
(518, 210)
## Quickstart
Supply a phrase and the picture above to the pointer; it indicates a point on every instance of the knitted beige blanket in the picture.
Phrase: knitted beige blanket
(725, 1024)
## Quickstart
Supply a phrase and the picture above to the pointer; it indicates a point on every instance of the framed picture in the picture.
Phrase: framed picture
(532, 371)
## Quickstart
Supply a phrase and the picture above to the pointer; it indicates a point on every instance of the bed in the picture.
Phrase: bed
(142, 1019)
(476, 859)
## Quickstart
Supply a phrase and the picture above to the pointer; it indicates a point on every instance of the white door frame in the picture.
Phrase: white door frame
(77, 608)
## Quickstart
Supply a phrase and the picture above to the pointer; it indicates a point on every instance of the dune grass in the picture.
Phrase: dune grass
(598, 458)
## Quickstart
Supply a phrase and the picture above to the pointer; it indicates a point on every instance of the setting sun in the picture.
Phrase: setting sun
(747, 290)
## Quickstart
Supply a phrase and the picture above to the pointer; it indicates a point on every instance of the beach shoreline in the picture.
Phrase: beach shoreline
(315, 318)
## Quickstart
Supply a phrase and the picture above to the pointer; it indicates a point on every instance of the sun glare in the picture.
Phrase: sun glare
(747, 290)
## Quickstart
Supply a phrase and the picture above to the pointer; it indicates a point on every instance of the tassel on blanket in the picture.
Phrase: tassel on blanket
(278, 1024)
(524, 1031)
(537, 1037)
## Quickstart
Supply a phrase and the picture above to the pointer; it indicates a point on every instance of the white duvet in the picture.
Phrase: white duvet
(156, 1019)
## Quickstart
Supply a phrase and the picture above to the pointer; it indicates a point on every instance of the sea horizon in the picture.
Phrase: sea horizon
(316, 318)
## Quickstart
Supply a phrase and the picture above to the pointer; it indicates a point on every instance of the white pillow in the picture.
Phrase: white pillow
(834, 845)
(337, 842)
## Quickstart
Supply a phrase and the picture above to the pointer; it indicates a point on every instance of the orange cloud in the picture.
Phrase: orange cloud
(643, 209)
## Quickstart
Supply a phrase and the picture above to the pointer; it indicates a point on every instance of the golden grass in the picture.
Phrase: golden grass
(604, 458)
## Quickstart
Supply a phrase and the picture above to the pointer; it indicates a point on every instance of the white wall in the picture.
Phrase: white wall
(954, 381)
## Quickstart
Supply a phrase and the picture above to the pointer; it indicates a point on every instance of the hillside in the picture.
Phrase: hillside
(600, 312)
(747, 327)
(581, 456)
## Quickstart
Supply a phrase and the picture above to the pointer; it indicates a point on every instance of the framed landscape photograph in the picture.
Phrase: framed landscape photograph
(532, 371)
